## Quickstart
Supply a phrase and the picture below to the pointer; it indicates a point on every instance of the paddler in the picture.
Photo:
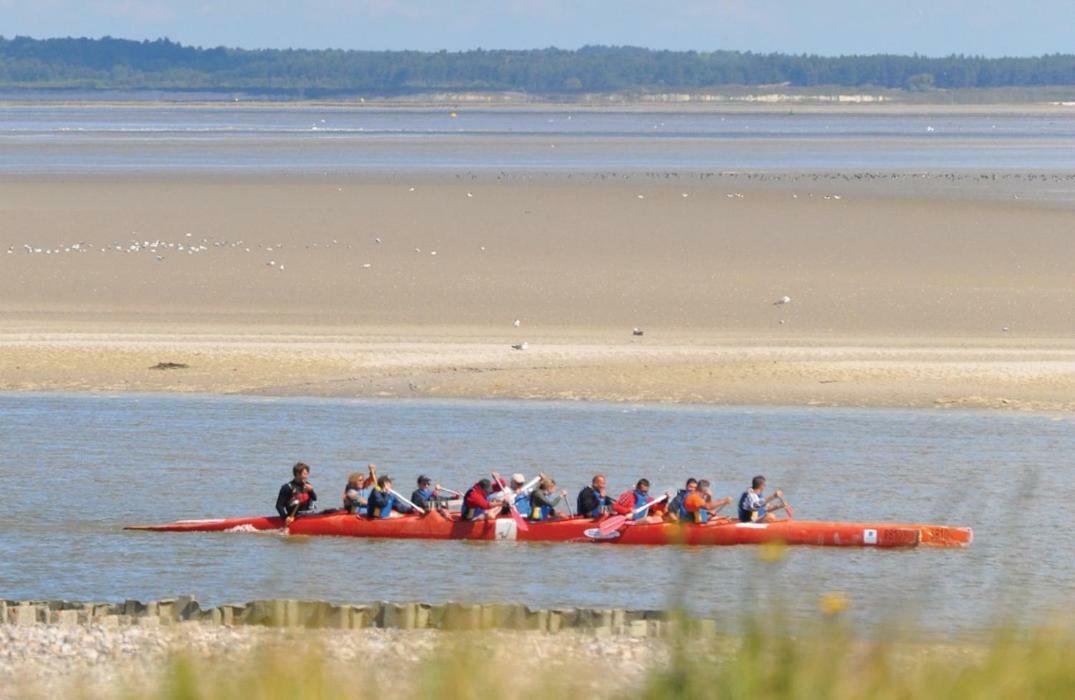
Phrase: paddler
(296, 496)
(630, 501)
(426, 497)
(593, 502)
(754, 507)
(476, 502)
(700, 505)
(357, 491)
(383, 503)
(676, 511)
(544, 499)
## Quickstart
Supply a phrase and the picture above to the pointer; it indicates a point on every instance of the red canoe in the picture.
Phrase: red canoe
(436, 526)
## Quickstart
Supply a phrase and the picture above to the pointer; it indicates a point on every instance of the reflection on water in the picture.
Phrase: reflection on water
(79, 467)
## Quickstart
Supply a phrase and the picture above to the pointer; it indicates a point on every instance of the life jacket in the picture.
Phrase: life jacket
(522, 502)
(539, 511)
(746, 515)
(299, 501)
(694, 507)
(595, 512)
(633, 499)
(383, 508)
(471, 512)
(675, 506)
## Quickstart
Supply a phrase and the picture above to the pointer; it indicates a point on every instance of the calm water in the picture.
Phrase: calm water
(96, 138)
(79, 467)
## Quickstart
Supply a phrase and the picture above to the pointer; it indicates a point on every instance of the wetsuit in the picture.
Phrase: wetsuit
(591, 503)
(294, 490)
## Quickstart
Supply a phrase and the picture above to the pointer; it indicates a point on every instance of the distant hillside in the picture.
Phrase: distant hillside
(120, 64)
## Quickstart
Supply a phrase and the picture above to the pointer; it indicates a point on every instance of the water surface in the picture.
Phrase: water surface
(107, 138)
(79, 467)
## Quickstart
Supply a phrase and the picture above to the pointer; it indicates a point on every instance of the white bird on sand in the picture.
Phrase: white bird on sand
(516, 323)
(377, 240)
(782, 300)
(520, 346)
(637, 331)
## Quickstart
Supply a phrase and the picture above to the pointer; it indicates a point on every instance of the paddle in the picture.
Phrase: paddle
(617, 521)
(404, 500)
(520, 521)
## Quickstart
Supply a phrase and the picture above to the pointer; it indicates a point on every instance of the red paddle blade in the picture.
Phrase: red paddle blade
(791, 513)
(520, 521)
(612, 524)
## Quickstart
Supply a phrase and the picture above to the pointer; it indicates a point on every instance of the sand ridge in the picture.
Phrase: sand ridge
(362, 286)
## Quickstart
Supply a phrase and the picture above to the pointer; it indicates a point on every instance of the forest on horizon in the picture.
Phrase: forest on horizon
(162, 64)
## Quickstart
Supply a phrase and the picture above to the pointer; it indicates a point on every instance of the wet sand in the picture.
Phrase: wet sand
(278, 285)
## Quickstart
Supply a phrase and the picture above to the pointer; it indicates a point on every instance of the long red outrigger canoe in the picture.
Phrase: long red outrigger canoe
(438, 526)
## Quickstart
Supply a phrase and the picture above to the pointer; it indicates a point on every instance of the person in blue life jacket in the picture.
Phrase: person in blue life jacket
(357, 491)
(676, 508)
(630, 501)
(383, 503)
(544, 499)
(515, 492)
(593, 501)
(296, 496)
(754, 506)
(427, 496)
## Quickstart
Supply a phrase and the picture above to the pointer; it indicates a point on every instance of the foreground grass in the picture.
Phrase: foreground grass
(826, 662)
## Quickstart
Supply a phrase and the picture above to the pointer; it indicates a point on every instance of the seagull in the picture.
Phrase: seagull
(520, 346)
(782, 300)
(516, 323)
(377, 240)
(637, 331)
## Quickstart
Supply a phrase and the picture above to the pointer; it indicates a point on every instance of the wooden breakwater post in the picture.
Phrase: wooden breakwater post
(313, 614)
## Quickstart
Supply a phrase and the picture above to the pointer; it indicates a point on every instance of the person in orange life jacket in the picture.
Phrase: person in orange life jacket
(700, 505)
(476, 503)
(629, 501)
(425, 497)
(383, 503)
(592, 501)
(544, 499)
(676, 511)
(357, 491)
(297, 495)
(754, 507)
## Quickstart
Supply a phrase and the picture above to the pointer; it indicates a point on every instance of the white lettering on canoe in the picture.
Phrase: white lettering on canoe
(753, 526)
(869, 537)
(505, 529)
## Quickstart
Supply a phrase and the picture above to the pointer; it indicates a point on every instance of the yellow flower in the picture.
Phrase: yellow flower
(834, 603)
(772, 551)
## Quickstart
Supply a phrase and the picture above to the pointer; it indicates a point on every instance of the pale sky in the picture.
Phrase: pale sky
(932, 27)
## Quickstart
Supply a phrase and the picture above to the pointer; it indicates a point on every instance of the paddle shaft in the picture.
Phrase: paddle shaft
(404, 500)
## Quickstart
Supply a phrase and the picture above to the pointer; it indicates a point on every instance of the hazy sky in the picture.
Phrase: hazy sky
(933, 27)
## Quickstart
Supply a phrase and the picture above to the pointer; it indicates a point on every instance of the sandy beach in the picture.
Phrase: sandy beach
(368, 286)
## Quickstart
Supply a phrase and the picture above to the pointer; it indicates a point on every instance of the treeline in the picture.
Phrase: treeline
(110, 63)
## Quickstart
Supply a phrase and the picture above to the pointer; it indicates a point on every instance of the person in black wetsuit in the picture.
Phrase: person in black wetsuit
(297, 495)
(593, 502)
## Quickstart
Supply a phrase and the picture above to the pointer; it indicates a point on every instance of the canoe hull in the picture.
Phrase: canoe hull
(435, 526)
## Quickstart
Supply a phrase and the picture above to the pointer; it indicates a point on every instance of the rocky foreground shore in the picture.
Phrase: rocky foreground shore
(106, 661)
